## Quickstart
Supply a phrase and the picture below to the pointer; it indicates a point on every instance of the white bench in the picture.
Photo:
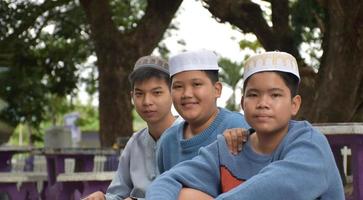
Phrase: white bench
(19, 185)
(80, 184)
(86, 176)
(20, 177)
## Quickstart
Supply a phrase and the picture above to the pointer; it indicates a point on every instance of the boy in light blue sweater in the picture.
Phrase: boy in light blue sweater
(195, 89)
(283, 159)
(150, 84)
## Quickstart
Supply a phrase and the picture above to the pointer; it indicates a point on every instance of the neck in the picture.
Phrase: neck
(266, 143)
(193, 129)
(158, 128)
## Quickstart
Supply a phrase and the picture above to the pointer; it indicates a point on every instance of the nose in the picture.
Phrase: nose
(187, 92)
(147, 100)
(263, 102)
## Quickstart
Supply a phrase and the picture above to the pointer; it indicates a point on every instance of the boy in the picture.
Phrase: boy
(195, 89)
(150, 83)
(283, 159)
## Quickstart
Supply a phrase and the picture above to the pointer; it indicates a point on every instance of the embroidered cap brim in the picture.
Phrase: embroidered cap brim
(271, 61)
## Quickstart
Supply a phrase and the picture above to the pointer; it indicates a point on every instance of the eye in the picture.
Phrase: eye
(197, 84)
(275, 95)
(251, 94)
(157, 93)
(138, 94)
(176, 86)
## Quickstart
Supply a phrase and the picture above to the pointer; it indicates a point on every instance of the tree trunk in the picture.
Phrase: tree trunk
(335, 94)
(116, 54)
(339, 95)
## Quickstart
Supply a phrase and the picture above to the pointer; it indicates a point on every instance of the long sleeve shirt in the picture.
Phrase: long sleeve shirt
(136, 168)
(302, 167)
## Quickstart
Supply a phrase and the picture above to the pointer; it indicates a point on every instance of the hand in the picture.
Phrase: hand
(235, 138)
(190, 194)
(95, 196)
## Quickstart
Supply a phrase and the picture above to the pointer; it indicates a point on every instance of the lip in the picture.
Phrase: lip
(148, 113)
(188, 104)
(262, 117)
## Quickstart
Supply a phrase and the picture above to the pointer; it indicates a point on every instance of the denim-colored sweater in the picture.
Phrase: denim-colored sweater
(173, 148)
(302, 167)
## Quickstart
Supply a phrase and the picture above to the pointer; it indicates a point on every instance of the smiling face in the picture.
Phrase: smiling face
(152, 99)
(194, 95)
(267, 103)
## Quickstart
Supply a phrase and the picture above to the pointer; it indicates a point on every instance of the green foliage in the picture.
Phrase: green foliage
(307, 21)
(138, 122)
(45, 45)
(42, 62)
(127, 13)
(231, 74)
(253, 45)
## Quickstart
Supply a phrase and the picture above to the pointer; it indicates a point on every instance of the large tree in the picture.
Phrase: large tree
(335, 92)
(45, 44)
(117, 51)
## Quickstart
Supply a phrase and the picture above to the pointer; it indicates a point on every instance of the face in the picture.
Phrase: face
(194, 95)
(152, 99)
(267, 103)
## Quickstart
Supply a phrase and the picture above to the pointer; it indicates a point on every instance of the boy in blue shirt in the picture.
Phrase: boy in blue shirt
(283, 159)
(195, 89)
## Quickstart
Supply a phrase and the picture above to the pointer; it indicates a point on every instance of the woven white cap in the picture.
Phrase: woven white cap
(271, 61)
(193, 60)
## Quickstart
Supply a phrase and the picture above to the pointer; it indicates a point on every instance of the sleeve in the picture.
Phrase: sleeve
(300, 174)
(199, 173)
(121, 184)
(159, 157)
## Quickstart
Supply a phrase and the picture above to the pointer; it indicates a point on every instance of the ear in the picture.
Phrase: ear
(132, 97)
(295, 104)
(218, 89)
(242, 106)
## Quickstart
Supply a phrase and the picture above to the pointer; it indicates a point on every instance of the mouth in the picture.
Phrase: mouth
(262, 117)
(188, 104)
(148, 112)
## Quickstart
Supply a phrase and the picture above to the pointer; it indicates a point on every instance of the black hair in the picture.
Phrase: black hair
(144, 74)
(291, 81)
(211, 74)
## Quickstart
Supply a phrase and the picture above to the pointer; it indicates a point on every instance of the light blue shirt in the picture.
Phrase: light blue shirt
(137, 167)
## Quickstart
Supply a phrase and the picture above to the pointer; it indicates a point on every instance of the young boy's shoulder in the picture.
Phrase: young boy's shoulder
(172, 132)
(304, 131)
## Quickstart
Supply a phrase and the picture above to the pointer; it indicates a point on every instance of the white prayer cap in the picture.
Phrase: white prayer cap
(193, 60)
(271, 61)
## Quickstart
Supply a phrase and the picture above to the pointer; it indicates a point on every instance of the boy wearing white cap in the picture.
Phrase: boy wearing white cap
(283, 159)
(150, 83)
(195, 89)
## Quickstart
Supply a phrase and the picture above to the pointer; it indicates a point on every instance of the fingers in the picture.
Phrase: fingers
(228, 137)
(95, 196)
(235, 138)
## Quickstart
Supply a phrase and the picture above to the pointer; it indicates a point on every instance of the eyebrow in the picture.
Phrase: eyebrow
(155, 88)
(269, 90)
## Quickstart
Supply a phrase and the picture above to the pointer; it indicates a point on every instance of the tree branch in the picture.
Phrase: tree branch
(280, 16)
(246, 15)
(154, 23)
(35, 11)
